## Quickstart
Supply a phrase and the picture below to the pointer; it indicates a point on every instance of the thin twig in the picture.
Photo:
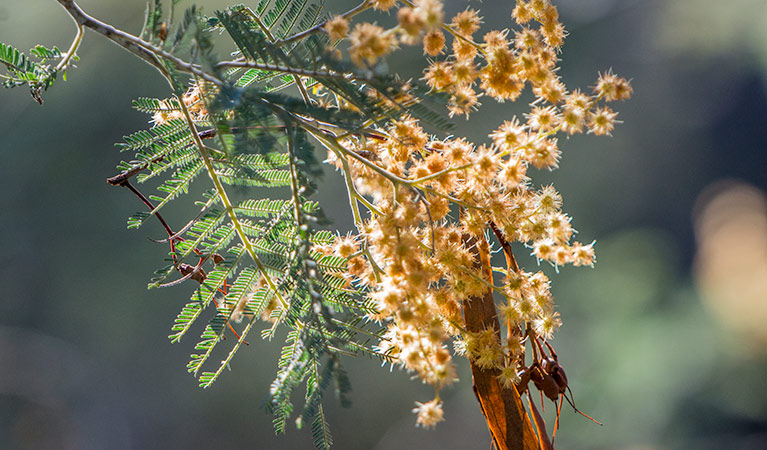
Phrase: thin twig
(366, 4)
(64, 63)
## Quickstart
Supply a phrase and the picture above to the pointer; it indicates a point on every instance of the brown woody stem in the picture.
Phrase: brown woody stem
(149, 205)
(502, 407)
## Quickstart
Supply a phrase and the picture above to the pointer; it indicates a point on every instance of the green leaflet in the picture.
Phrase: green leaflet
(24, 71)
(153, 105)
(321, 430)
(254, 32)
(268, 208)
(178, 184)
(190, 18)
(170, 132)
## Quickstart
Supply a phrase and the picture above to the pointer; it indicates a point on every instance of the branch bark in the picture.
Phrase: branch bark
(504, 413)
(134, 44)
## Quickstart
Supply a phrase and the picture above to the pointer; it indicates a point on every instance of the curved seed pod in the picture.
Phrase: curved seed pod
(196, 273)
(548, 364)
(560, 377)
(524, 380)
(550, 387)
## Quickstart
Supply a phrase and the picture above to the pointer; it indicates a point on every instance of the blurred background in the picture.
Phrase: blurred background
(665, 341)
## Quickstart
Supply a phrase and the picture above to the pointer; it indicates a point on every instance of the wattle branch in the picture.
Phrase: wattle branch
(135, 45)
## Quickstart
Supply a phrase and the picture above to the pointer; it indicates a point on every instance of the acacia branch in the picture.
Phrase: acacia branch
(134, 44)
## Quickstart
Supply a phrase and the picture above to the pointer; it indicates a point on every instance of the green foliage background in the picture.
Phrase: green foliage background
(84, 356)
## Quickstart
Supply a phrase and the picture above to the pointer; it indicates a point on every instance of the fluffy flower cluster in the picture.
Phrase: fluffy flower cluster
(429, 199)
(192, 98)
